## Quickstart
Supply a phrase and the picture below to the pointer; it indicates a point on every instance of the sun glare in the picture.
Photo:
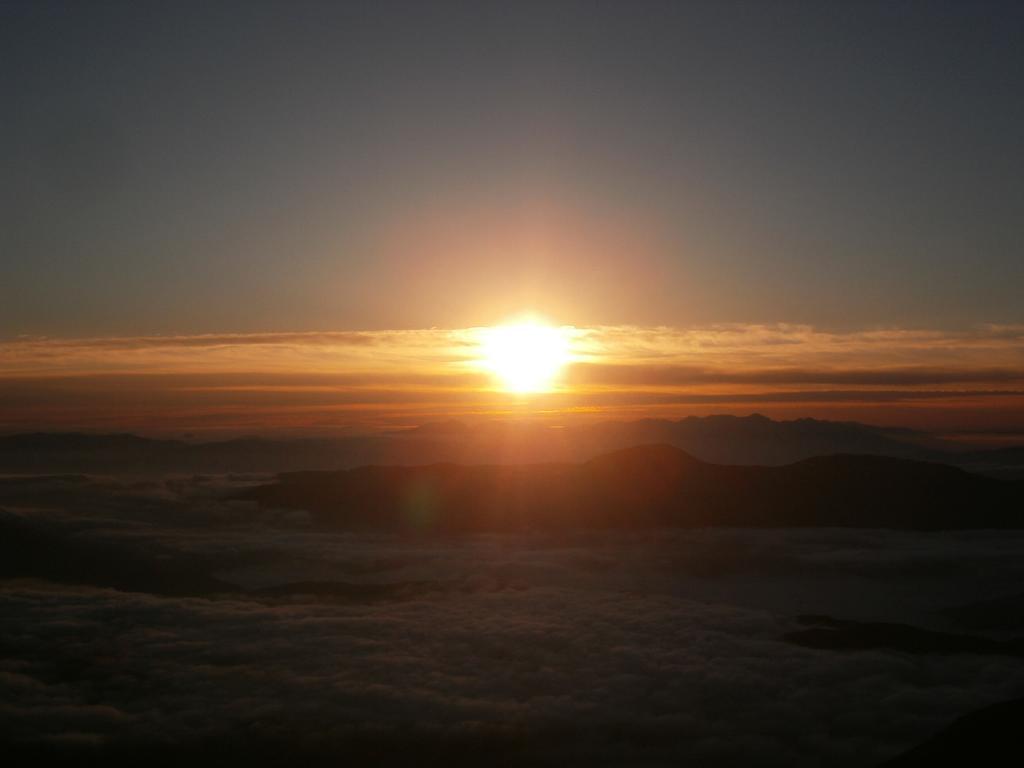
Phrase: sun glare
(526, 357)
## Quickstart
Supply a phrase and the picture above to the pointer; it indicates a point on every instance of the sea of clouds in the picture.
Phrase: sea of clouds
(642, 648)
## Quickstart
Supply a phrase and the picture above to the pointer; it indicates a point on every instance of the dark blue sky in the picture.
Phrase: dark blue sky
(167, 167)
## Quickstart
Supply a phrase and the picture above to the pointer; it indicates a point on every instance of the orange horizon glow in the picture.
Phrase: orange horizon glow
(325, 382)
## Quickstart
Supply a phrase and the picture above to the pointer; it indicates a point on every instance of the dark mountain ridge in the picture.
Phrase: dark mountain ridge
(650, 486)
(753, 439)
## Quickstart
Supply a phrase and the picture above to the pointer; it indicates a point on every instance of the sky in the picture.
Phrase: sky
(671, 171)
(214, 385)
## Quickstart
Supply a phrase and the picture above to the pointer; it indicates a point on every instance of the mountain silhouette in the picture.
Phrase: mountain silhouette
(649, 486)
(753, 439)
(826, 633)
(989, 736)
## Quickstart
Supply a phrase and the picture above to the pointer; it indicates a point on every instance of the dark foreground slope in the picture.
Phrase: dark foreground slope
(990, 736)
(650, 486)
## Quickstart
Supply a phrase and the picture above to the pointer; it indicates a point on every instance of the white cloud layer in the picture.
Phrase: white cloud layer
(662, 647)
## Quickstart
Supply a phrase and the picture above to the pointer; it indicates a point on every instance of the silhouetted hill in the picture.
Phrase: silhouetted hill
(756, 439)
(826, 633)
(996, 462)
(989, 736)
(751, 439)
(647, 486)
(1012, 455)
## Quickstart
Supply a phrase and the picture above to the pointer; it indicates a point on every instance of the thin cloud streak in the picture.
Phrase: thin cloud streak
(677, 375)
(268, 381)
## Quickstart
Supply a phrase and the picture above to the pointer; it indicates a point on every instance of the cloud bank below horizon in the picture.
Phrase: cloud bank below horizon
(653, 647)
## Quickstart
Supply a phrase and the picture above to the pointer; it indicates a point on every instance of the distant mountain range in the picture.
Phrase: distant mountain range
(721, 439)
(650, 486)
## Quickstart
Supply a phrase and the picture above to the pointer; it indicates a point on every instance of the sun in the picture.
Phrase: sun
(527, 357)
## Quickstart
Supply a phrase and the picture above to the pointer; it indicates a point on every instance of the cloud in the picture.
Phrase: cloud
(333, 351)
(706, 683)
(331, 338)
(657, 647)
(371, 379)
(644, 375)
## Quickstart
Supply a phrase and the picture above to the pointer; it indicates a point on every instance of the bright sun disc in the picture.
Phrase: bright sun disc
(526, 357)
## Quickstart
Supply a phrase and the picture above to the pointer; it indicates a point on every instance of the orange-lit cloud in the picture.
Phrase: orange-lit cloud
(366, 380)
